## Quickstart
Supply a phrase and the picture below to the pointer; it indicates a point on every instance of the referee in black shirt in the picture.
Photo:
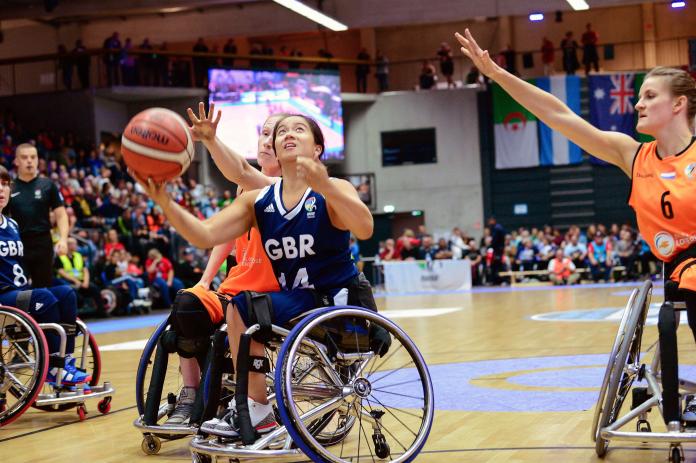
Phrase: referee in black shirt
(33, 198)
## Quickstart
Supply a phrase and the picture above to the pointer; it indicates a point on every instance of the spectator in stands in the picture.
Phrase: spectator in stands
(458, 244)
(590, 57)
(599, 254)
(576, 251)
(474, 255)
(548, 55)
(73, 271)
(146, 63)
(427, 77)
(162, 67)
(526, 256)
(427, 248)
(443, 250)
(444, 54)
(382, 71)
(407, 245)
(389, 251)
(562, 270)
(497, 244)
(112, 243)
(188, 270)
(128, 64)
(111, 59)
(82, 63)
(65, 64)
(626, 252)
(474, 77)
(160, 274)
(230, 48)
(569, 47)
(546, 251)
(200, 63)
(362, 71)
(508, 58)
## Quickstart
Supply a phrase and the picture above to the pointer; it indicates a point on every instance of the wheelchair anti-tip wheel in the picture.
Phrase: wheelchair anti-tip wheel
(389, 396)
(23, 363)
(624, 365)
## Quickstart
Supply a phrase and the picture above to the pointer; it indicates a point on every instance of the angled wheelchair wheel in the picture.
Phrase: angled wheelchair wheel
(172, 381)
(90, 362)
(23, 363)
(623, 366)
(381, 403)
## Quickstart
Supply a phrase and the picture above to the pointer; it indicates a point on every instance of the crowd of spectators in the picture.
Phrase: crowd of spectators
(549, 254)
(120, 234)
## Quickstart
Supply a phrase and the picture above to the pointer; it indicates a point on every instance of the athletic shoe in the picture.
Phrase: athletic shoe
(689, 414)
(262, 418)
(183, 409)
(70, 376)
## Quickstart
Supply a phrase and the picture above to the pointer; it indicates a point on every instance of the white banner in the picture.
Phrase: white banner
(419, 275)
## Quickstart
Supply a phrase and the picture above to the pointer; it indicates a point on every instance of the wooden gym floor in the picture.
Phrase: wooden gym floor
(515, 372)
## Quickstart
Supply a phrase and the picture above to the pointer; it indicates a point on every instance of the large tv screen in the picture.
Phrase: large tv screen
(408, 147)
(246, 98)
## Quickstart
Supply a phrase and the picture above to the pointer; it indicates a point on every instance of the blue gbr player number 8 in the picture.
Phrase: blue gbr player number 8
(19, 278)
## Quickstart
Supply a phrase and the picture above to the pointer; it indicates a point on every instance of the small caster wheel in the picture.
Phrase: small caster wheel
(82, 412)
(151, 445)
(643, 426)
(676, 454)
(104, 405)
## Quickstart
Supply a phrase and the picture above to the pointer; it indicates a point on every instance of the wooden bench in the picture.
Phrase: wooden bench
(515, 274)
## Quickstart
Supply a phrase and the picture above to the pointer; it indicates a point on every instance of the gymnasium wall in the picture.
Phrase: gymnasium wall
(449, 191)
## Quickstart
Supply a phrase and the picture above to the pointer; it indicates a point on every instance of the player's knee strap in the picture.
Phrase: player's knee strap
(260, 307)
(186, 302)
(23, 300)
(172, 342)
(360, 293)
(259, 364)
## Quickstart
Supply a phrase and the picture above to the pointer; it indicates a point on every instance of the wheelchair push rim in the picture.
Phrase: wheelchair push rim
(382, 409)
(32, 352)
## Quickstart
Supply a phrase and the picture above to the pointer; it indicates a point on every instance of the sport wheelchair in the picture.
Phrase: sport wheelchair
(625, 368)
(339, 392)
(24, 362)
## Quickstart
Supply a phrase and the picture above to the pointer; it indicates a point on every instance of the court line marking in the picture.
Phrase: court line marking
(37, 431)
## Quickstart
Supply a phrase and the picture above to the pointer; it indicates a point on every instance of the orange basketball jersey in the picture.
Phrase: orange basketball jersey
(253, 271)
(663, 195)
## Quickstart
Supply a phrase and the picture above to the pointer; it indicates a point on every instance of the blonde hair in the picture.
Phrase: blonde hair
(680, 83)
(25, 146)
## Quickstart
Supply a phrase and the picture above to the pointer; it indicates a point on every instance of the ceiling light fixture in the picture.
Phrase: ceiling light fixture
(578, 5)
(314, 15)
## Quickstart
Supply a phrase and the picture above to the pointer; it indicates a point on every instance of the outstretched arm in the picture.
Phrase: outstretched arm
(233, 165)
(223, 227)
(613, 147)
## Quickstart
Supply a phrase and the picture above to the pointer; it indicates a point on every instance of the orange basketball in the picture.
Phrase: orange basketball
(157, 144)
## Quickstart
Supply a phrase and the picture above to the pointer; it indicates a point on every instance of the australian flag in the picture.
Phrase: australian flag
(611, 102)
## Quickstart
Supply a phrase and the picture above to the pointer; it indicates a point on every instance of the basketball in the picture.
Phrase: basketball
(157, 144)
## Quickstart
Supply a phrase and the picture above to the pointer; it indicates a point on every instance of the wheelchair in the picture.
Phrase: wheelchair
(24, 363)
(625, 367)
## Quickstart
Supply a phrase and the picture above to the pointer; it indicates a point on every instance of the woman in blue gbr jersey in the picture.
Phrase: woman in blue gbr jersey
(46, 305)
(305, 221)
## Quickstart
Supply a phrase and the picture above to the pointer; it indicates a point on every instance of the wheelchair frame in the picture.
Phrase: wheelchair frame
(293, 441)
(623, 369)
(60, 399)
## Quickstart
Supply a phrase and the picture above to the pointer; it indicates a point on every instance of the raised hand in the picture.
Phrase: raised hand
(312, 171)
(478, 56)
(204, 127)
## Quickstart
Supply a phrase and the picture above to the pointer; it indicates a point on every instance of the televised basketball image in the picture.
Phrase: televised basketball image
(157, 144)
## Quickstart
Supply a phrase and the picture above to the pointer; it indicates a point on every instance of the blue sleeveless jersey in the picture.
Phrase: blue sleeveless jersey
(305, 249)
(11, 255)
